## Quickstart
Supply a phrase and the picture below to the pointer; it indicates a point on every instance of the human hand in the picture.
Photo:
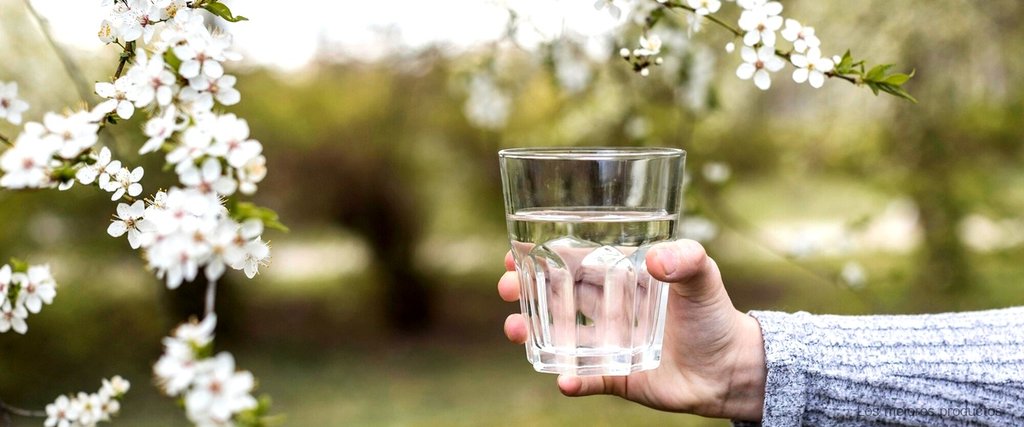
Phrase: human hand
(712, 362)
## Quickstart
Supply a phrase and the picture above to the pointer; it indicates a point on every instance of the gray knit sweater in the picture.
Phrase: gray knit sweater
(951, 369)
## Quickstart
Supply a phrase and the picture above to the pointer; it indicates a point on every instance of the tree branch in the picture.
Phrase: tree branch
(6, 140)
(126, 55)
(211, 297)
(736, 32)
(70, 68)
(7, 410)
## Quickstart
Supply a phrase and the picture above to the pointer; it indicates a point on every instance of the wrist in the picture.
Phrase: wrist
(745, 398)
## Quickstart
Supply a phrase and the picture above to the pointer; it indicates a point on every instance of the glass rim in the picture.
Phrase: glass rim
(590, 153)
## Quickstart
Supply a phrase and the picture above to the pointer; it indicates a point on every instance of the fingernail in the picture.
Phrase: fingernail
(668, 259)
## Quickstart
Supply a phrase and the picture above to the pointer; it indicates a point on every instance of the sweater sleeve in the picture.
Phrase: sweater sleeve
(949, 369)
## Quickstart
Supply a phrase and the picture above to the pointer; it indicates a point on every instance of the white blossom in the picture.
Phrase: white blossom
(197, 334)
(92, 409)
(13, 316)
(11, 107)
(37, 288)
(196, 103)
(89, 173)
(801, 36)
(716, 172)
(153, 80)
(854, 275)
(119, 97)
(220, 88)
(751, 4)
(698, 228)
(229, 245)
(176, 368)
(208, 178)
(704, 7)
(24, 292)
(75, 132)
(614, 10)
(251, 174)
(760, 24)
(694, 23)
(27, 163)
(63, 412)
(5, 283)
(232, 142)
(219, 391)
(487, 106)
(190, 229)
(573, 73)
(811, 67)
(649, 46)
(257, 252)
(121, 181)
(115, 386)
(202, 54)
(757, 64)
(159, 129)
(131, 20)
(194, 144)
(130, 220)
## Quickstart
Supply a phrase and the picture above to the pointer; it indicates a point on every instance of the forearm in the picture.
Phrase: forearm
(947, 369)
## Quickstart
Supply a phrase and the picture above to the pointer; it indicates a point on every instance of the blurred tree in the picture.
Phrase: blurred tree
(940, 143)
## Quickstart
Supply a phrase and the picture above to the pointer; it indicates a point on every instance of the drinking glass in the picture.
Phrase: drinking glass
(580, 222)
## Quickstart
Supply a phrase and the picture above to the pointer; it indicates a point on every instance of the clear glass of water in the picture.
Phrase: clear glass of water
(580, 221)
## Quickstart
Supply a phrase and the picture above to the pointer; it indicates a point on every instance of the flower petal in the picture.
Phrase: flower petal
(817, 79)
(745, 71)
(800, 75)
(117, 229)
(762, 79)
(125, 109)
(751, 38)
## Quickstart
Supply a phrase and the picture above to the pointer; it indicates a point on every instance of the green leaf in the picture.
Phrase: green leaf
(257, 417)
(896, 79)
(19, 266)
(877, 72)
(899, 79)
(171, 59)
(655, 16)
(898, 92)
(845, 65)
(873, 86)
(222, 10)
(243, 211)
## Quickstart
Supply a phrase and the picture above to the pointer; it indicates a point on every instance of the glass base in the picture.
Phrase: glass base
(594, 361)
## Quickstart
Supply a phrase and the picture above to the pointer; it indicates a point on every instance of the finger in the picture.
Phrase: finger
(510, 263)
(686, 263)
(515, 328)
(508, 286)
(588, 386)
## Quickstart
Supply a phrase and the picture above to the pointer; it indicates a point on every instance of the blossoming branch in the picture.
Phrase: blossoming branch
(758, 29)
(171, 69)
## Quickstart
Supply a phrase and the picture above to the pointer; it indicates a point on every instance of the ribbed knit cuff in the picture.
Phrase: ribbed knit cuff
(786, 359)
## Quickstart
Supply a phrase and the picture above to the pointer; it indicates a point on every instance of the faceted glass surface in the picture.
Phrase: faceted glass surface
(591, 309)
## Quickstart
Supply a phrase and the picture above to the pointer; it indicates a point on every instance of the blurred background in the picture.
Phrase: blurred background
(382, 121)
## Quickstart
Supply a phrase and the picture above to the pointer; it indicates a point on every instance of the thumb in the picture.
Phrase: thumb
(686, 265)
